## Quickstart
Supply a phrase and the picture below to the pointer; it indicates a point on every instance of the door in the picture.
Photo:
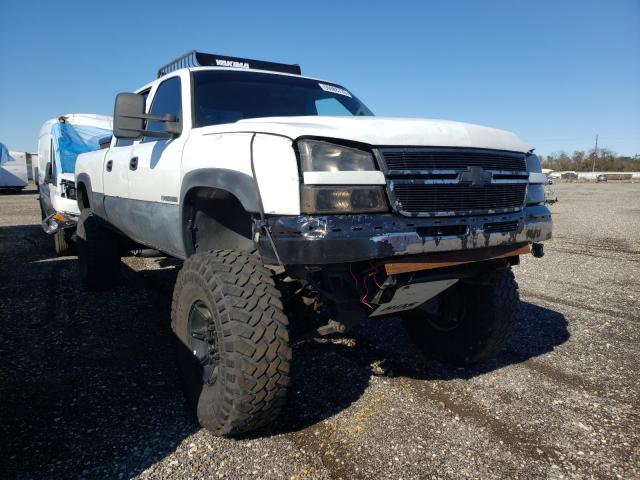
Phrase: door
(154, 174)
(115, 175)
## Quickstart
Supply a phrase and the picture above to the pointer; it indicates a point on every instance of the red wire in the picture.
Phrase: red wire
(375, 272)
(355, 279)
(366, 294)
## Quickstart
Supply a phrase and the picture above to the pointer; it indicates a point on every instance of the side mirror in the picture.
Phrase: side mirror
(129, 117)
(48, 173)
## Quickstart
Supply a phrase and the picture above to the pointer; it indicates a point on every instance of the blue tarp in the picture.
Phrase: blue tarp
(4, 154)
(71, 140)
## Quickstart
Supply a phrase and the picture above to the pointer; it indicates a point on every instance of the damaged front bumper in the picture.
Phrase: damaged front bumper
(332, 239)
(58, 221)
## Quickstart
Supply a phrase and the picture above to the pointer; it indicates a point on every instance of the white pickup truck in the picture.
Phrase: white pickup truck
(259, 177)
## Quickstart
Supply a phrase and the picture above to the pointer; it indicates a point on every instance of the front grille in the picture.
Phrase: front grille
(425, 181)
(418, 158)
(457, 198)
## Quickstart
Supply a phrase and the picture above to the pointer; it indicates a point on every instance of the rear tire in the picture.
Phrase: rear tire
(62, 243)
(232, 341)
(467, 323)
(98, 252)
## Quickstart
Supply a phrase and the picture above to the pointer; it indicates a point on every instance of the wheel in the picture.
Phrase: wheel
(98, 252)
(232, 341)
(467, 323)
(63, 245)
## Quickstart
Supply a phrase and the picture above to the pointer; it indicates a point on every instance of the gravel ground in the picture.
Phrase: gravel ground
(88, 388)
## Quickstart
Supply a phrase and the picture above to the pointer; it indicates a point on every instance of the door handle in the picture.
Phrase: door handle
(133, 163)
(109, 165)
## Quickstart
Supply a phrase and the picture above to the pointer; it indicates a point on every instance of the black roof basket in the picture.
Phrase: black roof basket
(199, 59)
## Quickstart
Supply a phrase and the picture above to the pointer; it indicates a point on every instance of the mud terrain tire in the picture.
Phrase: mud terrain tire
(473, 322)
(232, 341)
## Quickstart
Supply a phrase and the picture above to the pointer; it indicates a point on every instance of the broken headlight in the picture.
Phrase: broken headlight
(319, 156)
(343, 199)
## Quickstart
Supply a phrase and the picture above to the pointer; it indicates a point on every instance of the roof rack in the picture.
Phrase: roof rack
(199, 59)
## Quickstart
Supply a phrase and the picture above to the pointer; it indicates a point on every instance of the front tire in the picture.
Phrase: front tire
(232, 341)
(98, 252)
(467, 323)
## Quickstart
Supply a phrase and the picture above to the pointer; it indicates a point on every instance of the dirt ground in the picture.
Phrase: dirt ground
(88, 387)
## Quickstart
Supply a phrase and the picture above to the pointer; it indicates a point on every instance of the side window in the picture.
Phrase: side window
(168, 99)
(54, 166)
(124, 142)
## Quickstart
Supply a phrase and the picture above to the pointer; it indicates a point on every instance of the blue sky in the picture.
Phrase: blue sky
(555, 72)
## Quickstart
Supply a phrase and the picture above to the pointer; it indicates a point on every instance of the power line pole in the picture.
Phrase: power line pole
(595, 155)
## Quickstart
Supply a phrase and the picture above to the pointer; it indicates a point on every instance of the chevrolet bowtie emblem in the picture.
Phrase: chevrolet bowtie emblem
(475, 176)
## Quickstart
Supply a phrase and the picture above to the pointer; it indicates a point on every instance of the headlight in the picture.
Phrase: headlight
(535, 194)
(318, 156)
(533, 164)
(349, 199)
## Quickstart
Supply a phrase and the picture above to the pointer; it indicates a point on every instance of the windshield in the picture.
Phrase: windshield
(229, 96)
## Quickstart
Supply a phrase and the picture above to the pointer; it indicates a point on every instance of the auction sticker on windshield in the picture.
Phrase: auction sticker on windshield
(332, 89)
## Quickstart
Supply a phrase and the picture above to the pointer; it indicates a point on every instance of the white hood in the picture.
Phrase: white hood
(381, 131)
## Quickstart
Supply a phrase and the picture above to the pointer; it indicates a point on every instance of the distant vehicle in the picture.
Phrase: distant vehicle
(13, 169)
(615, 176)
(60, 141)
(554, 175)
(569, 176)
(601, 178)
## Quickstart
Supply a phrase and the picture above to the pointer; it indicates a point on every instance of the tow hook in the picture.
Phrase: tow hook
(537, 250)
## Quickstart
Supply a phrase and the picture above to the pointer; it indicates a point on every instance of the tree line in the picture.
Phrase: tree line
(605, 161)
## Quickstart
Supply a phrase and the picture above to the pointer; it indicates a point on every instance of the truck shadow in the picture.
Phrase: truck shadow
(329, 376)
(89, 384)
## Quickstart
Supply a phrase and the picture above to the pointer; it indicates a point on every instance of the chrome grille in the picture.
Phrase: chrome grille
(459, 198)
(417, 158)
(454, 181)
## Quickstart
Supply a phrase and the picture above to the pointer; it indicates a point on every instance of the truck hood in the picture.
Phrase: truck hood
(381, 131)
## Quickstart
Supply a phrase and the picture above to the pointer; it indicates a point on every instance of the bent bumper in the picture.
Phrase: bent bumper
(331, 239)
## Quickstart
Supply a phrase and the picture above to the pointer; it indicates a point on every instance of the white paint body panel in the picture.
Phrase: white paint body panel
(230, 152)
(382, 131)
(92, 164)
(116, 182)
(277, 172)
(13, 174)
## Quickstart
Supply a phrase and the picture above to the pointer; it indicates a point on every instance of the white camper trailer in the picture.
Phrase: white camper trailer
(13, 169)
(60, 141)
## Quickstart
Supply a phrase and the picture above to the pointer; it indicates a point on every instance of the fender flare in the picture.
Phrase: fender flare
(239, 184)
(96, 200)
